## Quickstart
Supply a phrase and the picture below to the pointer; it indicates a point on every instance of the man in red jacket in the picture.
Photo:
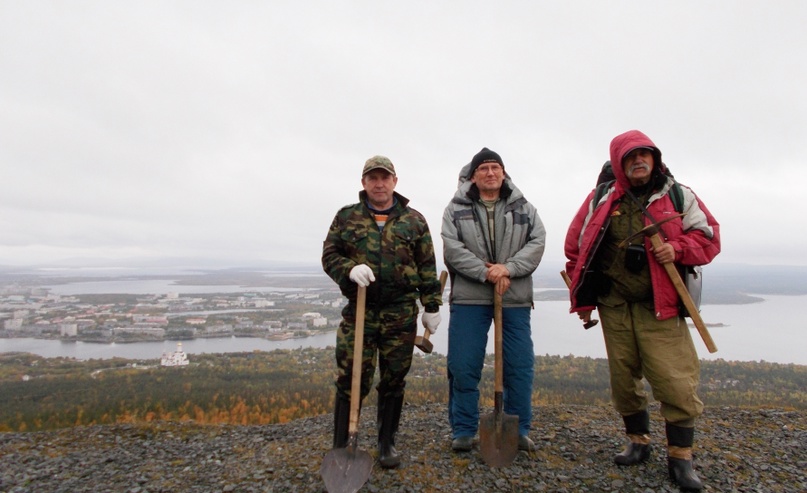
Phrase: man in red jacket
(645, 334)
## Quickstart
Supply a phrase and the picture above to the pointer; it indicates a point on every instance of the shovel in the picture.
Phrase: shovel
(345, 470)
(498, 432)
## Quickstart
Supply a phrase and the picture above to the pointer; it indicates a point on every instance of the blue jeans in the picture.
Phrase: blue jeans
(468, 329)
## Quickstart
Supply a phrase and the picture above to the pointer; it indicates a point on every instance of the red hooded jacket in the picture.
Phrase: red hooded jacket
(695, 236)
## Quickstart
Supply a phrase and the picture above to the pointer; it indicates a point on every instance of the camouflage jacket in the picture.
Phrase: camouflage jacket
(401, 255)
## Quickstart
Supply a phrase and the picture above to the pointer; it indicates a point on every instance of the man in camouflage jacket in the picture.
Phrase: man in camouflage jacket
(385, 245)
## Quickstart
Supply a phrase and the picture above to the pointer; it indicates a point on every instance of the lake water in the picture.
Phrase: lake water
(153, 286)
(767, 331)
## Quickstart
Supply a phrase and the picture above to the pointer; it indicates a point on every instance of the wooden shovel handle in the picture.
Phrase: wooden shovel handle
(689, 304)
(497, 342)
(358, 349)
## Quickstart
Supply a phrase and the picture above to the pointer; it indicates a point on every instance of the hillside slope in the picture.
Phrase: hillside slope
(737, 450)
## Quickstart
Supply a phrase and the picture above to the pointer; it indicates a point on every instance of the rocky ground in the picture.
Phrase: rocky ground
(737, 450)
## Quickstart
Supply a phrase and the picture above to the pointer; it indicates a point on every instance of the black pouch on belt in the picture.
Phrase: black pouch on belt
(635, 258)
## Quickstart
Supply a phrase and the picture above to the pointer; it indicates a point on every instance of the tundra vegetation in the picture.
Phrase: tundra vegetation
(285, 385)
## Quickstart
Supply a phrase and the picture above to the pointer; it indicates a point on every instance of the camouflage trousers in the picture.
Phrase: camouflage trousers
(662, 351)
(389, 332)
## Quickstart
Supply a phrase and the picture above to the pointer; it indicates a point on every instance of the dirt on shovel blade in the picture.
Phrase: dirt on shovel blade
(345, 470)
(498, 439)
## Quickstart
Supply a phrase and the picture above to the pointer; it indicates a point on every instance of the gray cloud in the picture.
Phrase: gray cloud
(235, 131)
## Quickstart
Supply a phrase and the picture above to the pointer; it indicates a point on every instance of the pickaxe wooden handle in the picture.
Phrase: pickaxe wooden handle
(689, 304)
(592, 322)
(651, 231)
(423, 343)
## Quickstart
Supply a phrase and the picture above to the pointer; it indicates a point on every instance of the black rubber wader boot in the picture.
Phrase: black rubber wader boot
(637, 427)
(679, 457)
(341, 421)
(389, 414)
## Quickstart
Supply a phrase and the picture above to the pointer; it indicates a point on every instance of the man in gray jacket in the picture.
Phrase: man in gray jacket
(492, 239)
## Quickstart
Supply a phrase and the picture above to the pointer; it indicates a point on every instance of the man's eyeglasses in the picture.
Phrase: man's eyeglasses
(487, 168)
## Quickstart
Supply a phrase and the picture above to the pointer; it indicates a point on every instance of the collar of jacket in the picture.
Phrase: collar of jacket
(402, 201)
(504, 193)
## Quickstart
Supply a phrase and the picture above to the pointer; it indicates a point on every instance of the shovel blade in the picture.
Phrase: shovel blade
(345, 470)
(498, 438)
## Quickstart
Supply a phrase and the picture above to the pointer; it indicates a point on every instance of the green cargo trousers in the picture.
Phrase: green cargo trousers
(389, 334)
(638, 345)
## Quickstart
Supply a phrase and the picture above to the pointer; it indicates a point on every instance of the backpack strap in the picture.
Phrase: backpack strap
(677, 197)
(675, 193)
(600, 192)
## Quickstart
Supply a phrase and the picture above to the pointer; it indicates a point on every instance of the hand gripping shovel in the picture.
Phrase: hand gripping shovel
(345, 470)
(498, 432)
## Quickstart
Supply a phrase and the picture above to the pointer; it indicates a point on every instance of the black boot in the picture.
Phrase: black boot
(637, 426)
(679, 457)
(341, 421)
(389, 414)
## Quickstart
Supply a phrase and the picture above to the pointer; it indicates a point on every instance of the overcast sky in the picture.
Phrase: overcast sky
(234, 131)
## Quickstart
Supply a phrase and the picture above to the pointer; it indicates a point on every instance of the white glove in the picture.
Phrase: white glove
(431, 321)
(362, 275)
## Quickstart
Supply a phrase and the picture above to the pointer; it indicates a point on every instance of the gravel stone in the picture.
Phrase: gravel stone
(736, 450)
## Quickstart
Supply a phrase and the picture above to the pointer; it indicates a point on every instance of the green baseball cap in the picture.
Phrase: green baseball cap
(378, 162)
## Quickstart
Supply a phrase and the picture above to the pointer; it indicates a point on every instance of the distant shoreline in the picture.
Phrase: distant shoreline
(723, 285)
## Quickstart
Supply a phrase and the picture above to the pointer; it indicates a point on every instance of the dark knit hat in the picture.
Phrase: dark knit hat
(484, 156)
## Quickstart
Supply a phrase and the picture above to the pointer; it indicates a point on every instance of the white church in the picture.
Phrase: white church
(177, 358)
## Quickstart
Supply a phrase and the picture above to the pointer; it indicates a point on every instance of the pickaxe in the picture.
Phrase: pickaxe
(592, 322)
(652, 232)
(423, 343)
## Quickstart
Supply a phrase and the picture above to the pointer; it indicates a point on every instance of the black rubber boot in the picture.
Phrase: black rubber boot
(341, 421)
(389, 414)
(637, 426)
(679, 457)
